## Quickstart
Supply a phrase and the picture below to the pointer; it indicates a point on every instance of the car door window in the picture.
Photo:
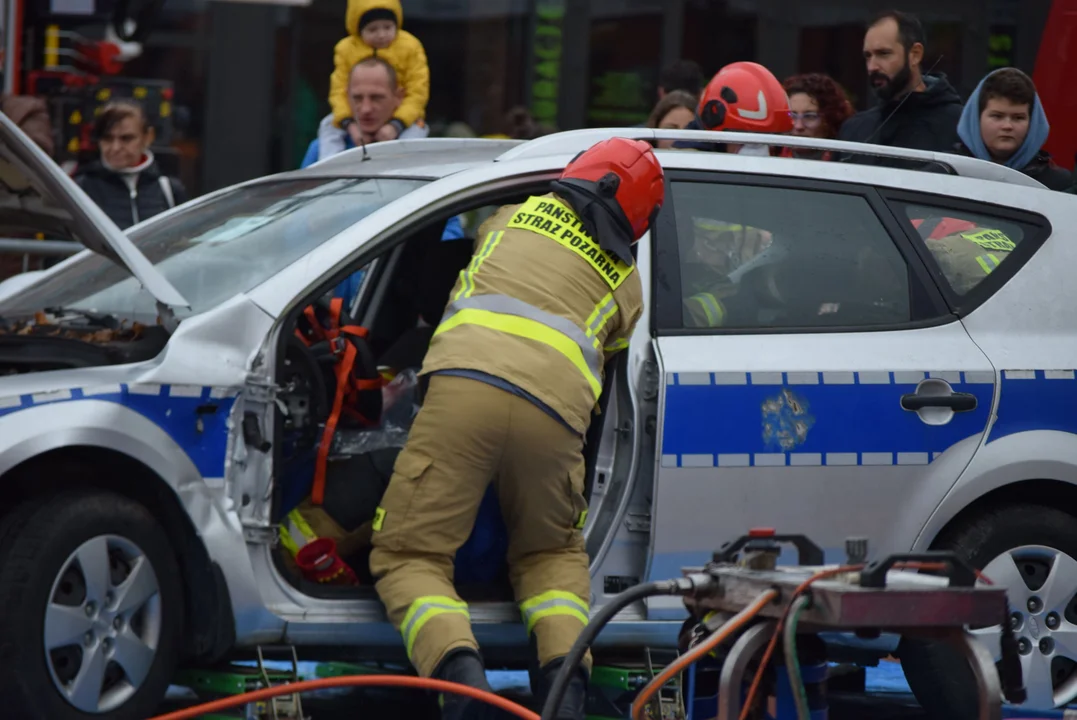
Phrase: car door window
(764, 257)
(967, 246)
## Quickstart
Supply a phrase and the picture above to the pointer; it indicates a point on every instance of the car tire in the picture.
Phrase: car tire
(939, 677)
(95, 569)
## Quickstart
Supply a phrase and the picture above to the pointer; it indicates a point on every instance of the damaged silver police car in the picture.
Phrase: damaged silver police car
(813, 357)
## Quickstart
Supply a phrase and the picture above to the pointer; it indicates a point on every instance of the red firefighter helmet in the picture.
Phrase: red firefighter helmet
(745, 96)
(626, 171)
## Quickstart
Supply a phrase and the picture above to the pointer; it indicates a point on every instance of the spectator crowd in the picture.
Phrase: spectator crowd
(380, 85)
(1003, 120)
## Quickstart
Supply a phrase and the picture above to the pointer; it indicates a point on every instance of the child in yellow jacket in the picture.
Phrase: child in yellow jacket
(374, 28)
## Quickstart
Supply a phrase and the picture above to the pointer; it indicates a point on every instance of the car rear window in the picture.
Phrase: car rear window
(967, 246)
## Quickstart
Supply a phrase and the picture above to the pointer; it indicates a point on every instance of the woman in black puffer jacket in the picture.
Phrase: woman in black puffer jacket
(126, 182)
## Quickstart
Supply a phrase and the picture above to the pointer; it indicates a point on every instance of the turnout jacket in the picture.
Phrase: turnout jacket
(540, 306)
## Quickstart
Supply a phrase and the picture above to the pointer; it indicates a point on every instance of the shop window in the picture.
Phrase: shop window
(943, 54)
(624, 65)
(837, 51)
(715, 35)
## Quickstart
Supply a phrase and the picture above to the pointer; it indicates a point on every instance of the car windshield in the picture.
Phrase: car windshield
(214, 250)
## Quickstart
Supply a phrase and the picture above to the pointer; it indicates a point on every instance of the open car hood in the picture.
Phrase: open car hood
(36, 196)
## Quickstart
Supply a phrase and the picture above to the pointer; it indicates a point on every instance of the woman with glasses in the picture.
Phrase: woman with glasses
(818, 107)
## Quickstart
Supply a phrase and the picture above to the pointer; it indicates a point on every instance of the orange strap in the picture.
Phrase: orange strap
(356, 386)
(347, 391)
(352, 398)
(371, 384)
(316, 328)
(343, 372)
(357, 330)
(336, 307)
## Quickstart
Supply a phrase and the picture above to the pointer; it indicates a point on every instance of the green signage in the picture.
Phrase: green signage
(619, 98)
(549, 18)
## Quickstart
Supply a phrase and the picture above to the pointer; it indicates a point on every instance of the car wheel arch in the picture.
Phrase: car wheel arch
(209, 635)
(1061, 494)
(1039, 461)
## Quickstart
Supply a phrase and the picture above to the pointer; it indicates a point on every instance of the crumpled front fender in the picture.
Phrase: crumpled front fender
(38, 429)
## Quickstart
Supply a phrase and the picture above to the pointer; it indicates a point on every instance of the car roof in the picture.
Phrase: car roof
(435, 158)
(430, 158)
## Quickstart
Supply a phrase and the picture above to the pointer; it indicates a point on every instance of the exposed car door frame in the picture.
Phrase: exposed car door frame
(378, 256)
(403, 217)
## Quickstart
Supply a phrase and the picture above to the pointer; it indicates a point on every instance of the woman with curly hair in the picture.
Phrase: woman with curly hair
(818, 107)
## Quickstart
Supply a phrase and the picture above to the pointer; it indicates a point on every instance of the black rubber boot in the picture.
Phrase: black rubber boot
(574, 703)
(464, 666)
(539, 687)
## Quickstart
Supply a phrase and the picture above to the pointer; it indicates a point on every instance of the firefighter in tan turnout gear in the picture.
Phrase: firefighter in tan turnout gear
(516, 369)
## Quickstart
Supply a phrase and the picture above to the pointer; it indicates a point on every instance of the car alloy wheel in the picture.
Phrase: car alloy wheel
(1041, 587)
(102, 624)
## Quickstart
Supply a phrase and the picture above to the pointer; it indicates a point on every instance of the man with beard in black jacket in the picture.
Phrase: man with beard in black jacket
(916, 110)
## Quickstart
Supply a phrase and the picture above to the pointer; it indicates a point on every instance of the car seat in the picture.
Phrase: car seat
(433, 280)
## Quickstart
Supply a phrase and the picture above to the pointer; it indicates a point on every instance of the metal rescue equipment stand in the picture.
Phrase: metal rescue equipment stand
(236, 679)
(884, 596)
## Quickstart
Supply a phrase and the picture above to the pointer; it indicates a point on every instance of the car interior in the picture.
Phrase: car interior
(853, 276)
(403, 295)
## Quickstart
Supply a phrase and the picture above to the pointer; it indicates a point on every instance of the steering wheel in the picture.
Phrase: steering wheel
(301, 372)
(365, 367)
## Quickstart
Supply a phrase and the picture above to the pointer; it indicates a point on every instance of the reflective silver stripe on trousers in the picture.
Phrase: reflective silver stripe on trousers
(556, 606)
(423, 610)
(511, 306)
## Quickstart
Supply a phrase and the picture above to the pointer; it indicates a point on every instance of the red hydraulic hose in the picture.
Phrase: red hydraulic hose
(351, 681)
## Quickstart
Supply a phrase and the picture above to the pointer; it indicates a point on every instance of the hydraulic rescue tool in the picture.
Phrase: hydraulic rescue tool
(751, 648)
(743, 604)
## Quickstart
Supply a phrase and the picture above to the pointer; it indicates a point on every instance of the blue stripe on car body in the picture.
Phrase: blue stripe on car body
(1036, 400)
(173, 408)
(777, 419)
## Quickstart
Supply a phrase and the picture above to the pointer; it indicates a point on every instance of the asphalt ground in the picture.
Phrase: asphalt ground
(886, 697)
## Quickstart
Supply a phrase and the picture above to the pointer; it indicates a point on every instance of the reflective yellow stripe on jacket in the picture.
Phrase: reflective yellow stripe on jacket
(467, 275)
(552, 603)
(549, 218)
(712, 308)
(988, 262)
(295, 532)
(708, 225)
(425, 609)
(515, 317)
(602, 313)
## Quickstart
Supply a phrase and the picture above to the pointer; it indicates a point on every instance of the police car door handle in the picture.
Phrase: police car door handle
(958, 402)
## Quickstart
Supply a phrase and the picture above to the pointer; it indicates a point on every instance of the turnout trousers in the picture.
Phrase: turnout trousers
(467, 435)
